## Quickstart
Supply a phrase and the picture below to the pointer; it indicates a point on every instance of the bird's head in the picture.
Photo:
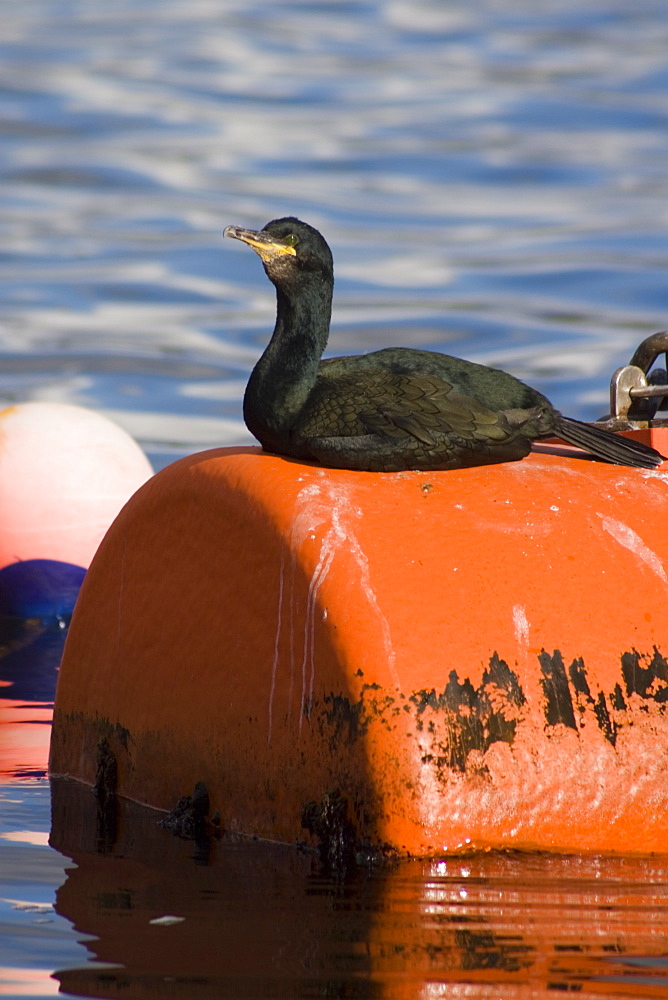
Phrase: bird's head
(291, 251)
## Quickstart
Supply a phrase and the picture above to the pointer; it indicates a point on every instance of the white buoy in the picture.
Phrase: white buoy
(65, 473)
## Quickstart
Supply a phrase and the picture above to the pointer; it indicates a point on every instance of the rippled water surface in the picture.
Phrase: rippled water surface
(491, 176)
(492, 179)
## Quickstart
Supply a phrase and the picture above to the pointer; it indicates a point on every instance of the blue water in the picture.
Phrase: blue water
(491, 176)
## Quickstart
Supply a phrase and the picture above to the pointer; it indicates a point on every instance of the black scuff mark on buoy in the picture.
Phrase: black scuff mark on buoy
(558, 700)
(456, 726)
(463, 719)
(329, 822)
(104, 790)
(188, 817)
(577, 675)
(578, 678)
(650, 682)
(464, 713)
(644, 677)
(340, 850)
(501, 698)
(122, 735)
(585, 701)
(617, 699)
(606, 723)
(347, 720)
(189, 820)
(499, 674)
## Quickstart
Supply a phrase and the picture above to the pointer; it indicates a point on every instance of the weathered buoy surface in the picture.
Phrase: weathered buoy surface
(65, 472)
(465, 659)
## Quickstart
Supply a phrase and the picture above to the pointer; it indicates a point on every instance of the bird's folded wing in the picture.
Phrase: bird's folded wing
(426, 408)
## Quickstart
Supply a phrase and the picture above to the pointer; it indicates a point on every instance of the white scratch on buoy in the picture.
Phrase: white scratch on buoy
(274, 665)
(633, 542)
(327, 553)
(654, 474)
(317, 505)
(521, 625)
(363, 564)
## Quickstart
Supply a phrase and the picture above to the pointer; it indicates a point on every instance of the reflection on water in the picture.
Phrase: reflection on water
(250, 919)
(30, 653)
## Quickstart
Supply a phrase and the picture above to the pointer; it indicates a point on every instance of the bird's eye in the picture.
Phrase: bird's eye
(291, 240)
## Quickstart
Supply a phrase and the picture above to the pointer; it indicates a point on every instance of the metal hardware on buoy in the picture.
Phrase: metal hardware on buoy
(636, 391)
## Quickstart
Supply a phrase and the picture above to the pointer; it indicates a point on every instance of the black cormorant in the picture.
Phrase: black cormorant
(393, 409)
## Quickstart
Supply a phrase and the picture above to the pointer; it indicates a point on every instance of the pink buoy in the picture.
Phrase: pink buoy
(65, 473)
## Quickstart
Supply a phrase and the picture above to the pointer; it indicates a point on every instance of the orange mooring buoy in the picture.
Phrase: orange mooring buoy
(465, 659)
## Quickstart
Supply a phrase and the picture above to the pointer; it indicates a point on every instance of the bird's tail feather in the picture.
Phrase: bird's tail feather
(605, 444)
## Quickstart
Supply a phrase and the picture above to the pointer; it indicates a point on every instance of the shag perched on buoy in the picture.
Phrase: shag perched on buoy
(392, 409)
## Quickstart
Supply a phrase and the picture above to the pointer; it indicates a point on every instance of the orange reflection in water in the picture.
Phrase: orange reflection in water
(25, 731)
(261, 920)
(17, 982)
(30, 654)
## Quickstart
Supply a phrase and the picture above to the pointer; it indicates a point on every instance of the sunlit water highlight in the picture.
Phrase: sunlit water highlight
(490, 175)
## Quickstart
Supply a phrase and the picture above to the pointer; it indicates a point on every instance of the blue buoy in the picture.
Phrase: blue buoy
(45, 589)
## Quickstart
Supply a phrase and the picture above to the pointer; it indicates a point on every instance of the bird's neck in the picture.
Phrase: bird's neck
(285, 374)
